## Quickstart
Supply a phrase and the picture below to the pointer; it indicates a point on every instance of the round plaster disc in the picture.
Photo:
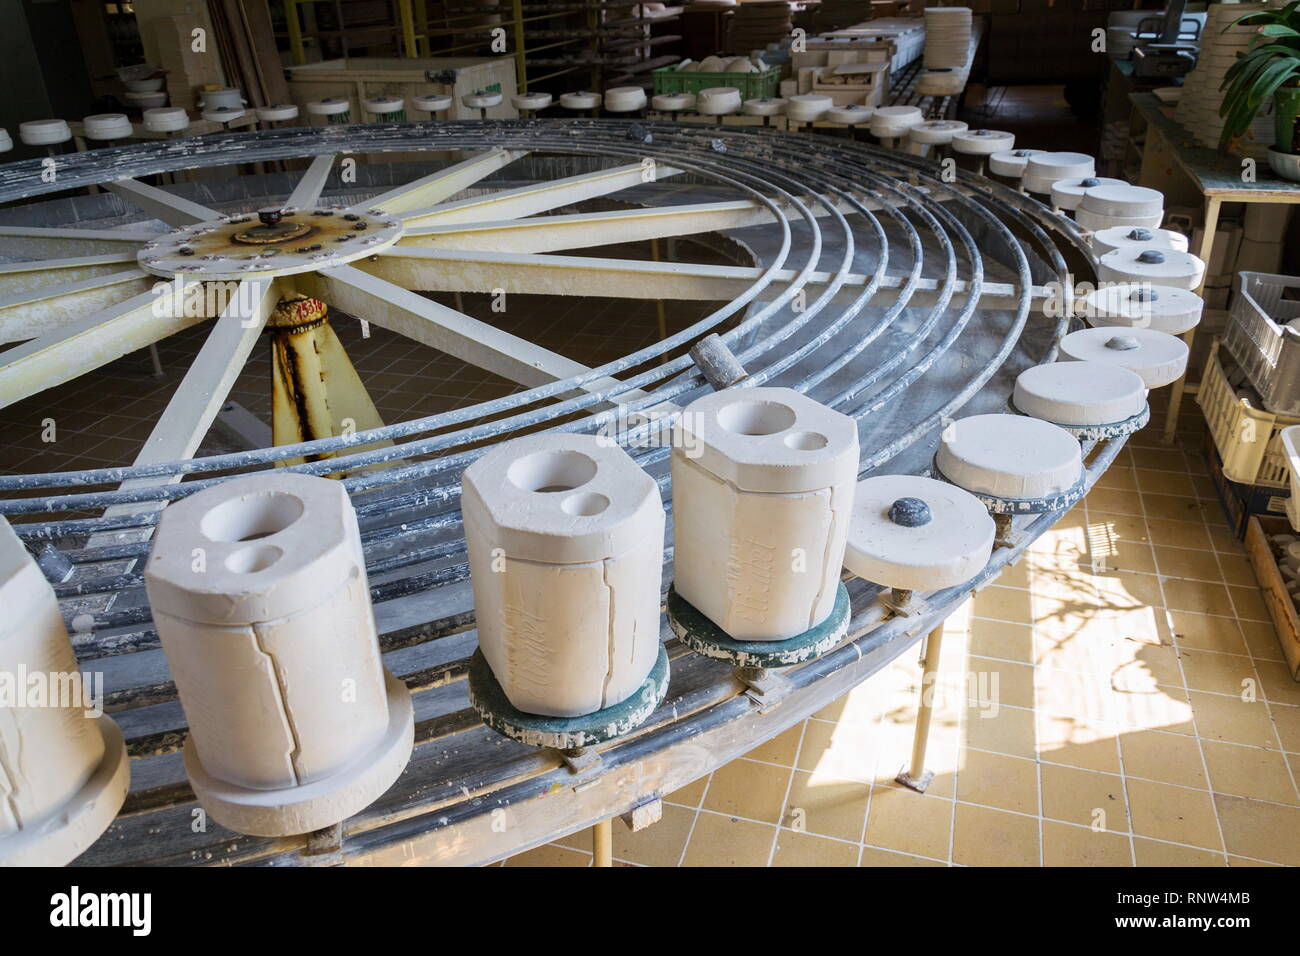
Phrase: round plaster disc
(762, 106)
(1008, 162)
(1044, 169)
(383, 105)
(1080, 393)
(936, 132)
(1094, 222)
(330, 106)
(1009, 458)
(6, 141)
(166, 119)
(279, 113)
(1140, 305)
(107, 126)
(581, 100)
(1158, 357)
(674, 102)
(481, 101)
(1162, 267)
(48, 132)
(992, 143)
(222, 114)
(434, 103)
(849, 115)
(889, 122)
(530, 101)
(944, 539)
(808, 107)
(1067, 193)
(1123, 200)
(718, 100)
(1121, 237)
(625, 99)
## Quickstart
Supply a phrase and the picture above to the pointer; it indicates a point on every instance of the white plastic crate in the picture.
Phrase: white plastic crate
(1260, 340)
(1290, 439)
(1247, 437)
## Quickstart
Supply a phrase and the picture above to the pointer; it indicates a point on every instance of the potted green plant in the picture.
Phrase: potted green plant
(1268, 73)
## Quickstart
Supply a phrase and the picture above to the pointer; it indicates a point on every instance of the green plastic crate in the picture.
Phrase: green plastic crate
(669, 79)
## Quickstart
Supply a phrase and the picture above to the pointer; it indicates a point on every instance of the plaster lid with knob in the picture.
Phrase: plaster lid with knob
(673, 102)
(1123, 200)
(383, 105)
(580, 100)
(1139, 237)
(988, 142)
(917, 534)
(1077, 394)
(481, 101)
(1009, 457)
(1142, 305)
(277, 113)
(889, 122)
(530, 101)
(1010, 163)
(808, 107)
(431, 103)
(1159, 358)
(222, 114)
(936, 132)
(761, 106)
(329, 106)
(849, 115)
(1162, 267)
(1068, 193)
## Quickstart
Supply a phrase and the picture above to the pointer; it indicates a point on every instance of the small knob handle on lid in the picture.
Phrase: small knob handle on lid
(910, 512)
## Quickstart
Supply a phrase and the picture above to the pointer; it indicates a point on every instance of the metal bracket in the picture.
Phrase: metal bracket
(580, 759)
(919, 785)
(764, 686)
(324, 842)
(904, 603)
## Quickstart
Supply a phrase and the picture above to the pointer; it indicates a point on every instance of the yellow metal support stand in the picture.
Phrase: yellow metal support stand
(916, 776)
(407, 17)
(295, 31)
(602, 843)
(315, 390)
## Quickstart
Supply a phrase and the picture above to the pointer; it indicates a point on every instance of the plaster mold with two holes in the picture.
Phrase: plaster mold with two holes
(259, 593)
(565, 536)
(763, 482)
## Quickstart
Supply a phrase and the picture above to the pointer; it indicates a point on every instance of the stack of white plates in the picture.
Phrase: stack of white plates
(947, 37)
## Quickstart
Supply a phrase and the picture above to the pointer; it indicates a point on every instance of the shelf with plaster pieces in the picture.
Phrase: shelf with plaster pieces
(259, 592)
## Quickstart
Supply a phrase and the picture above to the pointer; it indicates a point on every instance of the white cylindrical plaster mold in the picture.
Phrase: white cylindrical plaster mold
(259, 593)
(565, 536)
(64, 772)
(763, 482)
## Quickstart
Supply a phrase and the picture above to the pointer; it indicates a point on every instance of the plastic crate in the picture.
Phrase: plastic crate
(669, 79)
(1248, 439)
(1290, 438)
(1258, 338)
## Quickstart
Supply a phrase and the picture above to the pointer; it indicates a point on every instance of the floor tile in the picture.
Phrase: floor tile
(1175, 814)
(987, 837)
(805, 849)
(1084, 798)
(1065, 845)
(725, 841)
(900, 819)
(1262, 831)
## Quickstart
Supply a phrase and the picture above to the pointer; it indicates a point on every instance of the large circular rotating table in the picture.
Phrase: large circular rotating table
(866, 281)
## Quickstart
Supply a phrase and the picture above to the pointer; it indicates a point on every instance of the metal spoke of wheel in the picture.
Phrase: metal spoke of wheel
(96, 339)
(541, 197)
(36, 242)
(307, 191)
(198, 398)
(30, 277)
(484, 346)
(453, 270)
(584, 230)
(436, 187)
(170, 208)
(26, 315)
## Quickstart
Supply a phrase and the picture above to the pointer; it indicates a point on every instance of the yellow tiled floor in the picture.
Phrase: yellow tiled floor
(1118, 698)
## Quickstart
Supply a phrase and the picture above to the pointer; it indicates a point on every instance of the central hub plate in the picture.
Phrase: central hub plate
(241, 247)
